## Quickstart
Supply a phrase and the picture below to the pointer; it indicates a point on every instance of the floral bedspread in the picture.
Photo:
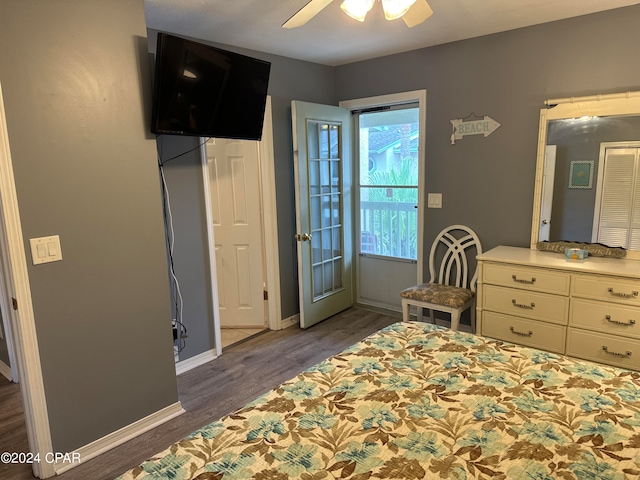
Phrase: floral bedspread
(417, 401)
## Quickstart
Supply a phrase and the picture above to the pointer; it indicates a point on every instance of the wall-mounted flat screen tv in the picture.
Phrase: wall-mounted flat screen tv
(205, 91)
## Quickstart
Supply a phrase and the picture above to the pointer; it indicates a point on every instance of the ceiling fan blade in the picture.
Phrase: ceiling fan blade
(417, 14)
(306, 13)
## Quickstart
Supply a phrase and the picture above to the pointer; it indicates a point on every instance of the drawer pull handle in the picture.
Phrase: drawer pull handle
(617, 354)
(522, 305)
(618, 322)
(522, 280)
(623, 295)
(523, 334)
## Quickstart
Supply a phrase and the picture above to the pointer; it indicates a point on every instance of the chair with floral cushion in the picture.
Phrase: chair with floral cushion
(450, 288)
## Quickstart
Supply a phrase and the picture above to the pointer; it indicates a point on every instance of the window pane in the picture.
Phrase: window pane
(337, 241)
(337, 274)
(335, 175)
(317, 281)
(326, 245)
(316, 248)
(388, 222)
(326, 210)
(325, 182)
(314, 177)
(389, 147)
(315, 212)
(333, 141)
(324, 141)
(335, 210)
(328, 277)
(312, 138)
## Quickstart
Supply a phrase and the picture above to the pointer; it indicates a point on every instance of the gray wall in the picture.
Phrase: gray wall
(289, 80)
(76, 87)
(487, 183)
(191, 259)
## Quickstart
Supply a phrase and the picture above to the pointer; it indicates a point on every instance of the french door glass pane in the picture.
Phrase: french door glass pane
(325, 184)
(388, 190)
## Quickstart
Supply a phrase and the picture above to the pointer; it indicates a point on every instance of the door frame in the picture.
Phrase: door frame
(548, 182)
(419, 96)
(266, 165)
(22, 331)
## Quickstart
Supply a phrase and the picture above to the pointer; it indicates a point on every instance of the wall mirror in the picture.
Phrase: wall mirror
(587, 186)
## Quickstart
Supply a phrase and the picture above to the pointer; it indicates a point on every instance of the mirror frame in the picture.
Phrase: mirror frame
(627, 103)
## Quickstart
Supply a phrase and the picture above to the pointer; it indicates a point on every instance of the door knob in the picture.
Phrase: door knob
(545, 222)
(305, 237)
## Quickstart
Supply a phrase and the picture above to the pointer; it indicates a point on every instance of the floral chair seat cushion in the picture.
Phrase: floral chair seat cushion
(441, 294)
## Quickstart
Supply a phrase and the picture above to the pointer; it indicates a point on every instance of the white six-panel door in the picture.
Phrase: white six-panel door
(234, 179)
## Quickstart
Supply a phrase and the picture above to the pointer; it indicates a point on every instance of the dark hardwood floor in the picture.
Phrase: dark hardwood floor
(208, 392)
(13, 435)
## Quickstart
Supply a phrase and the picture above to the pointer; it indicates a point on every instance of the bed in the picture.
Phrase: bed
(419, 401)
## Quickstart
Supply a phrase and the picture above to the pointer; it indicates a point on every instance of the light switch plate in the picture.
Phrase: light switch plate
(434, 200)
(45, 249)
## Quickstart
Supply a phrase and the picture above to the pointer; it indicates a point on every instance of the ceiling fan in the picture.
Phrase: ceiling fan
(413, 12)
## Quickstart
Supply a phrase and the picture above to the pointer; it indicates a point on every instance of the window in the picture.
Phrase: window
(388, 182)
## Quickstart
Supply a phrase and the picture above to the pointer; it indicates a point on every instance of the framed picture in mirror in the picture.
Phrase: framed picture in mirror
(581, 174)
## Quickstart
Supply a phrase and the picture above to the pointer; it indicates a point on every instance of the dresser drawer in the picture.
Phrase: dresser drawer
(512, 301)
(536, 279)
(603, 348)
(523, 331)
(605, 317)
(607, 288)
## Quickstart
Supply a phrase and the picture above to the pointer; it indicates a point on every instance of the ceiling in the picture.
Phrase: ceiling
(332, 38)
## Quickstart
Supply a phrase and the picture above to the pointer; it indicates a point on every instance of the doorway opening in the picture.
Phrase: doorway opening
(389, 153)
(240, 204)
(236, 206)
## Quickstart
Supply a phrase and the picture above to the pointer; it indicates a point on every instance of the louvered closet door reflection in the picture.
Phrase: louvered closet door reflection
(619, 223)
(236, 209)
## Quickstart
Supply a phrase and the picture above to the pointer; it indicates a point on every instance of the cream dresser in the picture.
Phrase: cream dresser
(588, 309)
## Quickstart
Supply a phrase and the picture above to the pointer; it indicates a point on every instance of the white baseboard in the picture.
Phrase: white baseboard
(121, 436)
(289, 322)
(193, 362)
(368, 302)
(5, 371)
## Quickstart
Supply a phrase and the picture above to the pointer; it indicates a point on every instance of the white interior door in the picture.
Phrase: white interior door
(322, 163)
(548, 180)
(234, 179)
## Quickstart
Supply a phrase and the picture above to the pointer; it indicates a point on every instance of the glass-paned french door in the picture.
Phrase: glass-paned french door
(387, 188)
(322, 164)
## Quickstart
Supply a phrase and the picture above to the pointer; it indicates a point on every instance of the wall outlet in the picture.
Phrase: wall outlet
(174, 325)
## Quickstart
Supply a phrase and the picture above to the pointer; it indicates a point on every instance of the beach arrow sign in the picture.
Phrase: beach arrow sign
(486, 126)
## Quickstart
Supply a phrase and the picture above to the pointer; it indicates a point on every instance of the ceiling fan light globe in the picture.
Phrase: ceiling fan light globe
(396, 8)
(357, 9)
